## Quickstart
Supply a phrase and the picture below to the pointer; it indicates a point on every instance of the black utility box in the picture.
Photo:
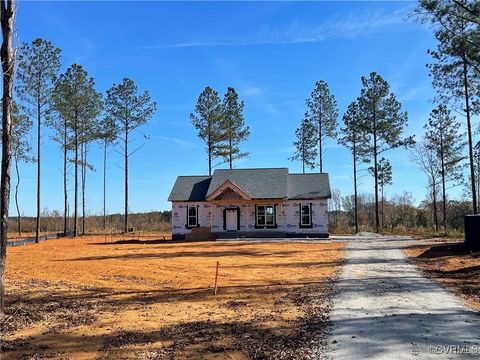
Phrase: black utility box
(472, 231)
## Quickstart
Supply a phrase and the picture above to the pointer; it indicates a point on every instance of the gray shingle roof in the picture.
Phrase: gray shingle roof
(257, 183)
(190, 188)
(308, 186)
(269, 183)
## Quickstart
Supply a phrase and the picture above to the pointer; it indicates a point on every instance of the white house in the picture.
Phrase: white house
(251, 203)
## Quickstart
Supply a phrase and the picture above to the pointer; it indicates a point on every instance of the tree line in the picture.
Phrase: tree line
(78, 114)
(374, 123)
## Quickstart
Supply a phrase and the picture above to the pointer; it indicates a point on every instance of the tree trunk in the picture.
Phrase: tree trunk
(104, 186)
(320, 163)
(469, 130)
(375, 174)
(7, 19)
(209, 159)
(84, 181)
(75, 210)
(65, 192)
(125, 228)
(435, 212)
(303, 155)
(355, 186)
(383, 208)
(444, 193)
(230, 152)
(37, 227)
(17, 185)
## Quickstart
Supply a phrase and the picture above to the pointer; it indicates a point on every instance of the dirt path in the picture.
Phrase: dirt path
(386, 309)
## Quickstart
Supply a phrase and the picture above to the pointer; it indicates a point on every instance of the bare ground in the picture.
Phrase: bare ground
(451, 263)
(154, 299)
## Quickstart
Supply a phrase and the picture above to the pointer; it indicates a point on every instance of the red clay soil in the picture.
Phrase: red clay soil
(84, 299)
(453, 264)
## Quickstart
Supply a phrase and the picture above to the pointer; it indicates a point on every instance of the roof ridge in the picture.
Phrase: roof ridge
(323, 173)
(258, 168)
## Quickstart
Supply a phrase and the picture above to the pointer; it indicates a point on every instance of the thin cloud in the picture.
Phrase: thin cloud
(345, 27)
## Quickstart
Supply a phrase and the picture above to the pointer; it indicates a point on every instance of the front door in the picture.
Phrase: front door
(231, 219)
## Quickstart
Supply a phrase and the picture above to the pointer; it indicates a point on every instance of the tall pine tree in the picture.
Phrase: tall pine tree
(207, 119)
(38, 66)
(455, 69)
(77, 101)
(233, 128)
(323, 112)
(21, 149)
(305, 144)
(353, 138)
(383, 121)
(130, 110)
(442, 136)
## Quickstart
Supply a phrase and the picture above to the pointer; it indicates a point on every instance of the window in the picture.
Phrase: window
(265, 215)
(192, 216)
(306, 215)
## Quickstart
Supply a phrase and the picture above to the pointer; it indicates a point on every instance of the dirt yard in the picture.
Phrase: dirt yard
(140, 299)
(452, 264)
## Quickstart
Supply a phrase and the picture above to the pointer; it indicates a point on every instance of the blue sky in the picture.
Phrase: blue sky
(272, 53)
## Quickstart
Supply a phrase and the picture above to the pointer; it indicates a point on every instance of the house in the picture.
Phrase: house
(235, 203)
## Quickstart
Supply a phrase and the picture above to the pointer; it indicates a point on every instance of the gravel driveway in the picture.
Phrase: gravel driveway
(386, 309)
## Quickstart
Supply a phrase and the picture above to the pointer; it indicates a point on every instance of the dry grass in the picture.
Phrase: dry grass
(154, 299)
(453, 264)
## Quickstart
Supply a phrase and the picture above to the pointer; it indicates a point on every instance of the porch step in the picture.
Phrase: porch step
(199, 233)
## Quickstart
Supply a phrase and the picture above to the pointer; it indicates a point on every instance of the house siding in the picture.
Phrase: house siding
(287, 218)
(179, 216)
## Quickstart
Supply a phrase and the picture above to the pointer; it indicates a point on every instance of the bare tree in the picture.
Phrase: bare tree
(428, 162)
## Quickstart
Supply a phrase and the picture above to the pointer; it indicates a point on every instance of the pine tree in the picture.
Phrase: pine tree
(21, 149)
(383, 123)
(207, 119)
(322, 108)
(63, 137)
(233, 128)
(455, 69)
(38, 66)
(353, 137)
(108, 137)
(442, 137)
(305, 144)
(76, 100)
(130, 110)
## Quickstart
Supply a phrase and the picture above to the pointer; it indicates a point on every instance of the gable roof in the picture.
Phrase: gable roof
(257, 183)
(228, 184)
(267, 183)
(190, 188)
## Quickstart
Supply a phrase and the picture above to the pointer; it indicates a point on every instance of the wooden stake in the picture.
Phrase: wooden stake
(216, 279)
